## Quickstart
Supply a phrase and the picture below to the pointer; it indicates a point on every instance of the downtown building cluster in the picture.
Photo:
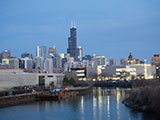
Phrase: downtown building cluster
(88, 66)
(132, 68)
(49, 61)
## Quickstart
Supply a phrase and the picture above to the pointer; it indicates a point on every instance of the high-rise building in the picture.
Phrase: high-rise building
(48, 65)
(80, 53)
(72, 43)
(41, 51)
(26, 63)
(112, 62)
(52, 50)
(38, 62)
(57, 62)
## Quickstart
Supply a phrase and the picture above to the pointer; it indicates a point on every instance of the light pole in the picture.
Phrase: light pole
(157, 71)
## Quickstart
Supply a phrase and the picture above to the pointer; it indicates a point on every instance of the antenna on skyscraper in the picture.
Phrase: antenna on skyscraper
(54, 46)
(71, 24)
(74, 24)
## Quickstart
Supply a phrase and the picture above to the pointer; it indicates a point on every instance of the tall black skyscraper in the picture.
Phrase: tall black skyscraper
(72, 43)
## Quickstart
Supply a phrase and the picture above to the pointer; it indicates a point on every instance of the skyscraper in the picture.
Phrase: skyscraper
(72, 43)
(80, 53)
(52, 50)
(41, 51)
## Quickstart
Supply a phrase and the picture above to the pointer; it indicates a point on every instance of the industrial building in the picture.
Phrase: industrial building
(10, 80)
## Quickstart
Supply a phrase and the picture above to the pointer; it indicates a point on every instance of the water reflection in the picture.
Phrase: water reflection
(108, 107)
(94, 107)
(82, 105)
(118, 100)
(100, 104)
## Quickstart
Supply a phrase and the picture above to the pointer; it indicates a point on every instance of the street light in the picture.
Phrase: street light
(157, 71)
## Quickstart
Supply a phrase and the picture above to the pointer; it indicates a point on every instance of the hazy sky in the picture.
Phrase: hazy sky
(111, 28)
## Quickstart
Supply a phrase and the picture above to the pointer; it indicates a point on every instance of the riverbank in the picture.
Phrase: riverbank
(114, 83)
(16, 99)
(101, 104)
(144, 96)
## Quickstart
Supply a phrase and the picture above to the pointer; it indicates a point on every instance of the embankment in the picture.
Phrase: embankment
(144, 96)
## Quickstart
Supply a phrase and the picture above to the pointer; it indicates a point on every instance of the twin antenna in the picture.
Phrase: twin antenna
(73, 24)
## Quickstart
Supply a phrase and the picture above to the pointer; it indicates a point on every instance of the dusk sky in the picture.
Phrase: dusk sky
(111, 28)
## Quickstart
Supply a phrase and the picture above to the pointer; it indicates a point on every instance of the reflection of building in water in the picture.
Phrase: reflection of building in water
(99, 101)
(94, 108)
(108, 108)
(82, 105)
(99, 91)
(118, 95)
(75, 104)
(100, 104)
(94, 92)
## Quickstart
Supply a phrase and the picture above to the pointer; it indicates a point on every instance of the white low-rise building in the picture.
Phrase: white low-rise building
(146, 70)
(10, 80)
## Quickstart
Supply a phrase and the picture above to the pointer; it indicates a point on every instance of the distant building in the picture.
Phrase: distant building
(62, 55)
(10, 63)
(41, 51)
(131, 60)
(112, 62)
(66, 59)
(5, 61)
(26, 63)
(123, 62)
(26, 55)
(80, 53)
(99, 60)
(155, 60)
(72, 43)
(10, 80)
(57, 62)
(4, 66)
(80, 72)
(14, 63)
(146, 71)
(38, 62)
(48, 65)
(52, 50)
(124, 73)
(5, 54)
(88, 65)
(88, 57)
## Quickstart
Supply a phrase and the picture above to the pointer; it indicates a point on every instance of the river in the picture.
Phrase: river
(100, 104)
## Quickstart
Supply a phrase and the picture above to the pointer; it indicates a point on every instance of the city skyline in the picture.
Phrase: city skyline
(130, 27)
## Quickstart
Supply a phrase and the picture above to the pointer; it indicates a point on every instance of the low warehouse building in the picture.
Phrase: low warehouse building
(10, 80)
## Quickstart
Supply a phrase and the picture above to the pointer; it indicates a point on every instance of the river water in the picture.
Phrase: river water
(100, 104)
